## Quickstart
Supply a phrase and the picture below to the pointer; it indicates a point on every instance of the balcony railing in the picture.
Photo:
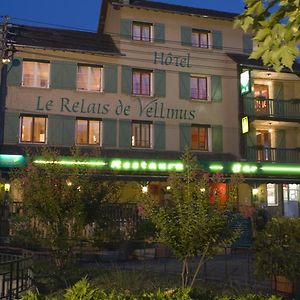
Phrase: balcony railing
(272, 108)
(258, 153)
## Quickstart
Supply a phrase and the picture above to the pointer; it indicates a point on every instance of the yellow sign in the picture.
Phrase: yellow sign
(245, 125)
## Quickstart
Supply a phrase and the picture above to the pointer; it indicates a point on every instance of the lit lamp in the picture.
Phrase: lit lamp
(255, 193)
(145, 189)
(7, 187)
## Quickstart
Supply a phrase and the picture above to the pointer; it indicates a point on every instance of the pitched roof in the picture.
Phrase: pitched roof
(165, 7)
(62, 39)
(244, 60)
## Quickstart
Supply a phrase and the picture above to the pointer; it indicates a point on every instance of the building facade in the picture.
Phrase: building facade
(154, 79)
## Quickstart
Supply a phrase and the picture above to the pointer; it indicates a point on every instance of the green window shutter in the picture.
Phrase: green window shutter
(11, 128)
(14, 72)
(109, 133)
(125, 134)
(159, 136)
(110, 78)
(125, 29)
(217, 138)
(63, 75)
(160, 83)
(251, 141)
(278, 90)
(185, 136)
(186, 36)
(61, 130)
(217, 39)
(159, 32)
(247, 43)
(281, 145)
(280, 138)
(216, 88)
(184, 85)
(126, 80)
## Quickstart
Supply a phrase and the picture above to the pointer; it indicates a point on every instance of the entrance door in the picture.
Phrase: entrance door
(291, 200)
(263, 140)
(261, 91)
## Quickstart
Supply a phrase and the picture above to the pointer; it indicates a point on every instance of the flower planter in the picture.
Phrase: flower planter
(283, 286)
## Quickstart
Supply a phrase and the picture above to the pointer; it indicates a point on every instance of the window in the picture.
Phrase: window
(141, 82)
(36, 74)
(141, 31)
(261, 93)
(199, 138)
(89, 78)
(271, 195)
(33, 129)
(88, 132)
(200, 38)
(141, 134)
(291, 192)
(198, 88)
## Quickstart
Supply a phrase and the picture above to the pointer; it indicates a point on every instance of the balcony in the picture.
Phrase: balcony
(259, 153)
(272, 108)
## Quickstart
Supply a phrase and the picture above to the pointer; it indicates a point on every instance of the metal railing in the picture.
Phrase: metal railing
(272, 108)
(15, 275)
(258, 153)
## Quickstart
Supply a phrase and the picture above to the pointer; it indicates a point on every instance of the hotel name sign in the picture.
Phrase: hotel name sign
(145, 109)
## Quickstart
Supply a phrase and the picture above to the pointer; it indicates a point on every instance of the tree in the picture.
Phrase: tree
(193, 222)
(57, 203)
(275, 25)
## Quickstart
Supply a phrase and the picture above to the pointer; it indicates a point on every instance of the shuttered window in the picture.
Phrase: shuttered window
(33, 129)
(141, 82)
(36, 74)
(200, 138)
(142, 31)
(87, 132)
(141, 134)
(89, 78)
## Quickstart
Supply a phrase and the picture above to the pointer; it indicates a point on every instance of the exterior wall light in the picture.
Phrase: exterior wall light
(145, 189)
(7, 187)
(254, 191)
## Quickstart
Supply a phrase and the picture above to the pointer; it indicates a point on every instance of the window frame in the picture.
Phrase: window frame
(87, 132)
(268, 192)
(208, 137)
(35, 74)
(90, 66)
(200, 32)
(150, 141)
(141, 72)
(142, 25)
(208, 87)
(32, 141)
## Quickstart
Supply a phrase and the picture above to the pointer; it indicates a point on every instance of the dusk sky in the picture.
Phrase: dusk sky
(84, 14)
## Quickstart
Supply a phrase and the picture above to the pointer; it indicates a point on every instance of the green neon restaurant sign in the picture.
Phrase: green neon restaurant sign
(159, 166)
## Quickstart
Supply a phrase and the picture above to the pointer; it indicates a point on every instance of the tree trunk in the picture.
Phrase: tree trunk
(185, 273)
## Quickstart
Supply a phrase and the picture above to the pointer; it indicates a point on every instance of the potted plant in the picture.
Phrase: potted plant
(277, 253)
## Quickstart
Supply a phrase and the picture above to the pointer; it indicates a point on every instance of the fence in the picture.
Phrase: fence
(15, 275)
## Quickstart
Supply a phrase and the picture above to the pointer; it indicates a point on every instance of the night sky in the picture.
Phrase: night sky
(84, 14)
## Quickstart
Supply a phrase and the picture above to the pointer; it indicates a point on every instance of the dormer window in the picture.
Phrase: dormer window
(141, 31)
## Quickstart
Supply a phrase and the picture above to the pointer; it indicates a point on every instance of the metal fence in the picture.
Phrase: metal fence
(15, 274)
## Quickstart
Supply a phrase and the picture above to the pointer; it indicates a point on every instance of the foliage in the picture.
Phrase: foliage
(277, 249)
(260, 218)
(83, 290)
(55, 205)
(275, 25)
(193, 222)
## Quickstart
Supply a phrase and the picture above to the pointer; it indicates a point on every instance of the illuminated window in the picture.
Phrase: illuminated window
(291, 192)
(199, 138)
(141, 82)
(141, 31)
(141, 134)
(261, 93)
(33, 129)
(198, 88)
(272, 199)
(89, 78)
(88, 132)
(200, 38)
(35, 74)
